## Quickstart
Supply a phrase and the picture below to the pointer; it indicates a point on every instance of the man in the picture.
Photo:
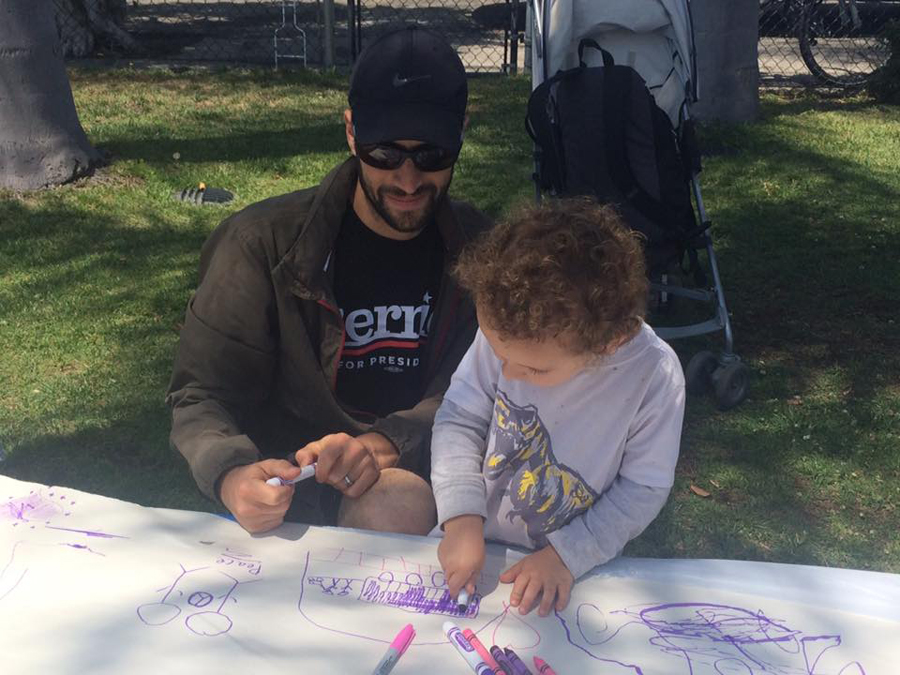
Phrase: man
(326, 319)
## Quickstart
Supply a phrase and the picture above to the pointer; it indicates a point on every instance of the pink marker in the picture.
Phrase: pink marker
(482, 651)
(543, 667)
(398, 647)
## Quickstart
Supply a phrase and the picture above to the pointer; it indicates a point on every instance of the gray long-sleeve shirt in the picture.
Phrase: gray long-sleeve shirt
(585, 465)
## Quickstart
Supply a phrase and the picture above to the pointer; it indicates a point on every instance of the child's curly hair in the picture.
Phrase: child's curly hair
(564, 267)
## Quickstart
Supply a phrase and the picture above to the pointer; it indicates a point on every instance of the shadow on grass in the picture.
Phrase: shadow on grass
(809, 272)
(60, 247)
(88, 294)
(128, 458)
(811, 280)
(321, 136)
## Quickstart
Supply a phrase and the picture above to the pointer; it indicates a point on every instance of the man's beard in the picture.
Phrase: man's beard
(406, 221)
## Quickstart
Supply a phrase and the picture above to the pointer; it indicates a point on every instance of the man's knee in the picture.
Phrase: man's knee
(400, 501)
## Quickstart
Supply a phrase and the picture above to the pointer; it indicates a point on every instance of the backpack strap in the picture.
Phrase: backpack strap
(556, 134)
(608, 61)
(617, 85)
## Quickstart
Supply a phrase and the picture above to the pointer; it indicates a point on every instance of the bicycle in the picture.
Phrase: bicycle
(839, 40)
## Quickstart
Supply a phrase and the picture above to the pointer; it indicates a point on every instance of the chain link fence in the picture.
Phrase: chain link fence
(285, 31)
(833, 43)
(806, 42)
(486, 33)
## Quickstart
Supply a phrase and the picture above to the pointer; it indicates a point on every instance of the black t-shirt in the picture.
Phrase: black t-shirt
(386, 291)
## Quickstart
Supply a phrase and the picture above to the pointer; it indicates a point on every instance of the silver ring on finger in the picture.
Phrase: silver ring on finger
(347, 480)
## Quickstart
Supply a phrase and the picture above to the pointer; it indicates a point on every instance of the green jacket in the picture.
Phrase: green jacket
(258, 356)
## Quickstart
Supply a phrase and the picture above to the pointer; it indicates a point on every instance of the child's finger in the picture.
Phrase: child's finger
(547, 598)
(564, 592)
(470, 584)
(531, 593)
(455, 580)
(510, 575)
(518, 590)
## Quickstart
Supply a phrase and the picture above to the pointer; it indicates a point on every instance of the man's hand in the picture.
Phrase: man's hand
(256, 506)
(350, 465)
(542, 572)
(461, 552)
(385, 453)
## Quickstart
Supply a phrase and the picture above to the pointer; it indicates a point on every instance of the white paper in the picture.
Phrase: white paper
(90, 584)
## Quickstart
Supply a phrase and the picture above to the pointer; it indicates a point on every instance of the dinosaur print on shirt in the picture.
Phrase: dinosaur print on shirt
(544, 493)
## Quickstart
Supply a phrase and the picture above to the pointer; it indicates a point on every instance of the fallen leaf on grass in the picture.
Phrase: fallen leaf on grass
(714, 484)
(699, 491)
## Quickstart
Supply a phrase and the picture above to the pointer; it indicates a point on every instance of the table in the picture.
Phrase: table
(90, 584)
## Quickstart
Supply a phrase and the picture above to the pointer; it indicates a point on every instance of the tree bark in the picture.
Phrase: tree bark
(726, 34)
(82, 22)
(42, 142)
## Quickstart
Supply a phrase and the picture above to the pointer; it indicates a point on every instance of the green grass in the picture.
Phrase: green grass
(94, 278)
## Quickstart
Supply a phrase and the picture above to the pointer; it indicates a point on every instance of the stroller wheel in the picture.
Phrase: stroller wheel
(731, 385)
(699, 372)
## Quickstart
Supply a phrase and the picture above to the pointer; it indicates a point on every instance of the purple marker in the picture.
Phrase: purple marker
(465, 649)
(517, 663)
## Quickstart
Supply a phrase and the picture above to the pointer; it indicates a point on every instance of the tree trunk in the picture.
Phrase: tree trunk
(41, 140)
(726, 34)
(82, 22)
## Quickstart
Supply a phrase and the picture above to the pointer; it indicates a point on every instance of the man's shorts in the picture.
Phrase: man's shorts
(314, 504)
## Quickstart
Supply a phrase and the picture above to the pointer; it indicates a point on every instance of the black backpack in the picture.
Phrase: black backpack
(598, 132)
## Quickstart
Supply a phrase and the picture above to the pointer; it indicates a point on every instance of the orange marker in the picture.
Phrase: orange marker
(482, 652)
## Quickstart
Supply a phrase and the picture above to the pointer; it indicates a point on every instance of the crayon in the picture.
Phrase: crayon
(518, 664)
(506, 667)
(481, 649)
(543, 667)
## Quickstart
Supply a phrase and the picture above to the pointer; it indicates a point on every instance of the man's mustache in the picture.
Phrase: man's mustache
(397, 192)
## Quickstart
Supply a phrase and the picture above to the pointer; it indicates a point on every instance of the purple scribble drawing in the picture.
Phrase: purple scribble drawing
(417, 587)
(195, 589)
(714, 639)
(9, 576)
(412, 595)
(84, 548)
(90, 533)
(240, 560)
(582, 626)
(336, 586)
(32, 508)
(400, 584)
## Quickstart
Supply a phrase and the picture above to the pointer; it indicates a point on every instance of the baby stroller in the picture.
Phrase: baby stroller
(609, 114)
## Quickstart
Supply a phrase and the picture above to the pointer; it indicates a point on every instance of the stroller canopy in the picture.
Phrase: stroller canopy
(655, 37)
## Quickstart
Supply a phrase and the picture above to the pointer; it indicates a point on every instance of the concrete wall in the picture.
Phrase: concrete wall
(726, 33)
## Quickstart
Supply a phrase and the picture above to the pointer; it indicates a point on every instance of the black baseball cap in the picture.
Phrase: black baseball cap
(409, 85)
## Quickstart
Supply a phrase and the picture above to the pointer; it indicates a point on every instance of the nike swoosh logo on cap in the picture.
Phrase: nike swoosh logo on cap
(401, 81)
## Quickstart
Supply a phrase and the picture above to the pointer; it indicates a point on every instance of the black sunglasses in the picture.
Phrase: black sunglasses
(389, 156)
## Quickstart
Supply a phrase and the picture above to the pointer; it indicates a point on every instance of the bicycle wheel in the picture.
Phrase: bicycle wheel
(839, 47)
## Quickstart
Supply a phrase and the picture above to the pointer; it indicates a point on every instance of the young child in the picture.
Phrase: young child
(561, 427)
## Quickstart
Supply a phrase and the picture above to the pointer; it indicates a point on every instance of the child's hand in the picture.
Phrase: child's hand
(461, 552)
(540, 572)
